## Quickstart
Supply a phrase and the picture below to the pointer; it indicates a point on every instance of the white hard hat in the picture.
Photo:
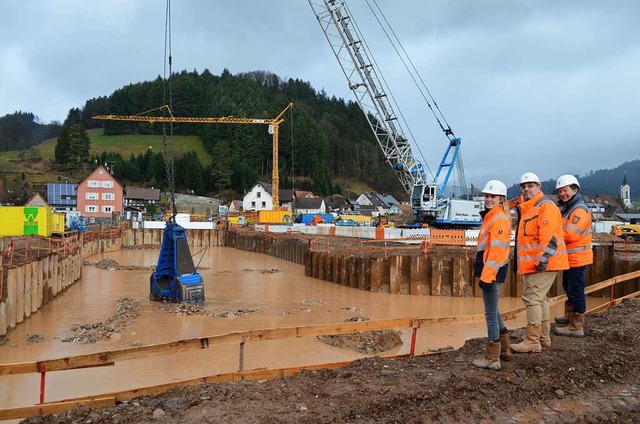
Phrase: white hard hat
(495, 187)
(567, 180)
(529, 177)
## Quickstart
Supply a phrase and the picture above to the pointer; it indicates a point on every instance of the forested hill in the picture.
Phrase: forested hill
(322, 138)
(602, 181)
(22, 130)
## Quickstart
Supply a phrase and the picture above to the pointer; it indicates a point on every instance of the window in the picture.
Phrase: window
(107, 184)
(91, 196)
(259, 194)
(264, 205)
(91, 208)
(253, 205)
(107, 209)
(93, 183)
(108, 196)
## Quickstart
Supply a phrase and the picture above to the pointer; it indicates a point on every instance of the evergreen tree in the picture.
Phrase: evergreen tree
(79, 144)
(61, 151)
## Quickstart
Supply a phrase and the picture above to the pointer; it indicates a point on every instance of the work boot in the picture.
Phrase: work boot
(531, 342)
(545, 340)
(491, 359)
(505, 351)
(564, 319)
(575, 328)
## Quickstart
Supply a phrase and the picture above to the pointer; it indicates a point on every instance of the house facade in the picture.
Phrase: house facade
(139, 197)
(259, 198)
(100, 195)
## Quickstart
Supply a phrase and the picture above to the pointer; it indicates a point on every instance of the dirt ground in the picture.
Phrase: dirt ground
(590, 380)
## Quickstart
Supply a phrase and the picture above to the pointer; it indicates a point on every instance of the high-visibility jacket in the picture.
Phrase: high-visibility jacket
(540, 242)
(492, 255)
(577, 231)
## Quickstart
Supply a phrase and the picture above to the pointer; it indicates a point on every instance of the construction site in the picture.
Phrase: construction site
(298, 328)
(272, 321)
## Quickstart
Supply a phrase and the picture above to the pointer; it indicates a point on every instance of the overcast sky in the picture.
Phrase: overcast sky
(534, 85)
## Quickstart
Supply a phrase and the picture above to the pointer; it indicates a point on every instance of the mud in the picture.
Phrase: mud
(593, 379)
(111, 328)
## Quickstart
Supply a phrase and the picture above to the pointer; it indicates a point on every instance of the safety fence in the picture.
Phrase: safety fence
(109, 358)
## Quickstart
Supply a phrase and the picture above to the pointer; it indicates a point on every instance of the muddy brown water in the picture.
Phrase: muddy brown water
(275, 293)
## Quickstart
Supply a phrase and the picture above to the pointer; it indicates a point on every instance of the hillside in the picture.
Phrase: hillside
(601, 182)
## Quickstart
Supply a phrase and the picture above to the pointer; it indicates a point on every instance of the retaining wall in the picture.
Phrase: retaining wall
(31, 285)
(416, 275)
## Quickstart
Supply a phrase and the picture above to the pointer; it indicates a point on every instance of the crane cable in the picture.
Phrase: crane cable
(422, 87)
(168, 153)
(413, 72)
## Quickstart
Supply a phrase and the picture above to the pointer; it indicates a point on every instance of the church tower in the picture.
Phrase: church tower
(625, 192)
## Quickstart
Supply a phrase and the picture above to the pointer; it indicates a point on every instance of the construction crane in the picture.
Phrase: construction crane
(429, 203)
(273, 125)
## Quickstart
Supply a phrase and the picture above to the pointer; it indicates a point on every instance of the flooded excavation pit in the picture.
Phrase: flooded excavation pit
(262, 313)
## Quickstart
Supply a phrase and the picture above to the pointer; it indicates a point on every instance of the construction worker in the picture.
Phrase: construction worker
(577, 236)
(492, 261)
(540, 254)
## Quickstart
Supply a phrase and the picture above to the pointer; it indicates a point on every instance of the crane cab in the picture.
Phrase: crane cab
(175, 278)
(424, 198)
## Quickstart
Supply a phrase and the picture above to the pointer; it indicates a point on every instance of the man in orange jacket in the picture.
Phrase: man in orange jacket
(577, 235)
(540, 254)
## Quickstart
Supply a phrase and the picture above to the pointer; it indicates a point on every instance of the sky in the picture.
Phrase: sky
(545, 86)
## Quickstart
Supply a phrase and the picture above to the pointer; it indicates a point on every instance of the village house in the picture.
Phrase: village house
(100, 196)
(259, 198)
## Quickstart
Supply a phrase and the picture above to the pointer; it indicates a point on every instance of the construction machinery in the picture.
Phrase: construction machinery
(629, 232)
(431, 202)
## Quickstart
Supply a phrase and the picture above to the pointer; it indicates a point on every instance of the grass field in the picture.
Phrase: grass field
(128, 144)
(19, 169)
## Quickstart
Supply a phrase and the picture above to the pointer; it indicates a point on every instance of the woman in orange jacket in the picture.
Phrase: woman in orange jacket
(492, 261)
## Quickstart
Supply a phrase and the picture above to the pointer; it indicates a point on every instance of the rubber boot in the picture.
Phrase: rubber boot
(545, 340)
(575, 328)
(505, 350)
(491, 359)
(531, 342)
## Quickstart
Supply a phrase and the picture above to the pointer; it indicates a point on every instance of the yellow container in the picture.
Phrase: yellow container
(26, 220)
(274, 217)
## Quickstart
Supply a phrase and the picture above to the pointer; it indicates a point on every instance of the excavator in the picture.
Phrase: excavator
(431, 203)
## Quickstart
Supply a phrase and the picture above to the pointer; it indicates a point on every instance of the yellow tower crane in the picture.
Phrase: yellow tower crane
(273, 124)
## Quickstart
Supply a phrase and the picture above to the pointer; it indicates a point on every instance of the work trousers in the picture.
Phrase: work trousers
(490, 296)
(534, 295)
(573, 283)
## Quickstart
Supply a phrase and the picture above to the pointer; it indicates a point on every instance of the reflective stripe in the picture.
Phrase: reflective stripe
(577, 230)
(500, 244)
(492, 264)
(579, 249)
(532, 246)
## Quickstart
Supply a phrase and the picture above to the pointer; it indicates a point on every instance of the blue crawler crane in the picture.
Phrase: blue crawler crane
(175, 278)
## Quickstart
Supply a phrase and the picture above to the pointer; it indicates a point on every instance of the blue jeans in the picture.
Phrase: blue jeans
(490, 296)
(573, 283)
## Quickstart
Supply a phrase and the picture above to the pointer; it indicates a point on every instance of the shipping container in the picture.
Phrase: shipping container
(274, 217)
(27, 220)
(307, 218)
